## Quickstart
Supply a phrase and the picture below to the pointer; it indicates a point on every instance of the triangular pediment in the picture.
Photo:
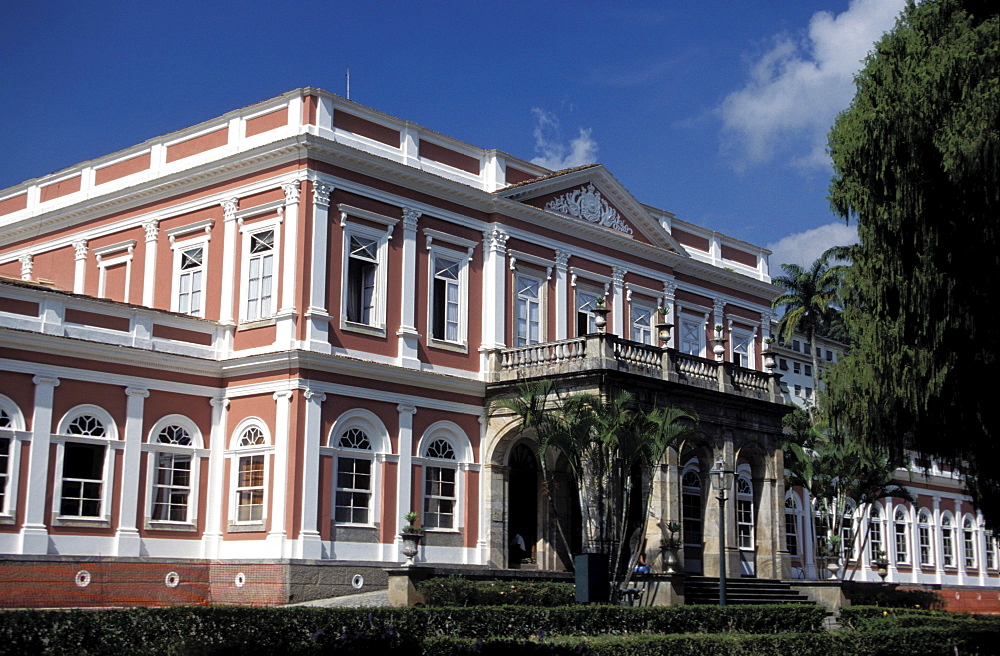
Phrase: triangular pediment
(590, 194)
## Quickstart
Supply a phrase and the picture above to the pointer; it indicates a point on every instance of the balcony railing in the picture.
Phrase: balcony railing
(602, 352)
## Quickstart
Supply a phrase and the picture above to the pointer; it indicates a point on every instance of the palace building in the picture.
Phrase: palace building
(234, 356)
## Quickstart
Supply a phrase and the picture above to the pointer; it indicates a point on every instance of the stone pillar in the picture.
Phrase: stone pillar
(562, 293)
(404, 497)
(34, 533)
(228, 261)
(409, 338)
(495, 287)
(80, 266)
(318, 315)
(958, 542)
(669, 302)
(495, 484)
(217, 504)
(310, 544)
(279, 481)
(149, 264)
(290, 248)
(938, 542)
(618, 322)
(127, 541)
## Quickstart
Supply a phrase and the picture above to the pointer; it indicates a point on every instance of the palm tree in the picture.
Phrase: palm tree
(810, 302)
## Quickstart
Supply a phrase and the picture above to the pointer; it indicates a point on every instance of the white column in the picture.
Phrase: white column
(80, 266)
(889, 539)
(408, 335)
(216, 504)
(669, 296)
(310, 544)
(279, 482)
(405, 476)
(494, 287)
(27, 264)
(938, 542)
(618, 326)
(290, 244)
(149, 265)
(127, 541)
(34, 534)
(562, 293)
(958, 542)
(228, 260)
(318, 315)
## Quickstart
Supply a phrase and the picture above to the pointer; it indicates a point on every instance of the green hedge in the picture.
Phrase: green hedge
(874, 594)
(458, 591)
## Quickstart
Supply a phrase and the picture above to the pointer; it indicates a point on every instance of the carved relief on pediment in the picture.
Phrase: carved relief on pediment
(587, 203)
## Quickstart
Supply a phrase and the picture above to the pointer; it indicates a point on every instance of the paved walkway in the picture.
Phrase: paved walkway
(360, 600)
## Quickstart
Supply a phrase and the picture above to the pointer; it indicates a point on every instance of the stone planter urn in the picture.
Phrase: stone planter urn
(411, 544)
(671, 561)
(601, 317)
(832, 565)
(663, 331)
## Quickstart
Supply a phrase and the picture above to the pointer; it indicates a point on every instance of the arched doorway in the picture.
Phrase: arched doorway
(522, 528)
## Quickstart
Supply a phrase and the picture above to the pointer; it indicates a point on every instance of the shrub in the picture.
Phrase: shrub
(874, 594)
(457, 591)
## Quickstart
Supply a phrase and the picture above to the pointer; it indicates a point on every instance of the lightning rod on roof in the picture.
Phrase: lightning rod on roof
(348, 76)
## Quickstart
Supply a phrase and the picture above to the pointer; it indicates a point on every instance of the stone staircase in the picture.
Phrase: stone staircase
(705, 590)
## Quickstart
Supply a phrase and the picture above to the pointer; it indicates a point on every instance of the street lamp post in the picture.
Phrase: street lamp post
(722, 481)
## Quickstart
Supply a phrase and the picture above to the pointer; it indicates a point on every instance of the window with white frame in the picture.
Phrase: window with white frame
(969, 542)
(691, 513)
(947, 541)
(447, 297)
(742, 342)
(586, 322)
(744, 512)
(527, 309)
(440, 479)
(353, 496)
(260, 273)
(189, 278)
(362, 278)
(901, 533)
(791, 525)
(250, 475)
(174, 466)
(876, 544)
(85, 470)
(642, 322)
(991, 551)
(692, 333)
(6, 430)
(847, 531)
(925, 538)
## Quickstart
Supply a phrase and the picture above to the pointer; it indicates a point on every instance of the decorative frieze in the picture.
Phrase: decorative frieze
(587, 203)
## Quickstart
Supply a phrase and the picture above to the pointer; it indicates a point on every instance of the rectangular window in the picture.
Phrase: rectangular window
(527, 310)
(4, 469)
(439, 498)
(947, 547)
(692, 336)
(902, 546)
(924, 533)
(189, 285)
(875, 545)
(809, 392)
(354, 490)
(585, 320)
(969, 548)
(797, 367)
(991, 551)
(172, 488)
(362, 269)
(445, 301)
(791, 534)
(741, 348)
(796, 345)
(798, 390)
(783, 364)
(642, 323)
(807, 349)
(829, 355)
(744, 523)
(260, 276)
(691, 513)
(809, 370)
(250, 489)
(82, 480)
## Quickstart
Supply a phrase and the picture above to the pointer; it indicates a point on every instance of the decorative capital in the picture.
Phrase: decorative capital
(618, 275)
(495, 240)
(46, 380)
(137, 391)
(321, 194)
(669, 290)
(27, 264)
(404, 408)
(562, 259)
(80, 248)
(766, 317)
(410, 218)
(719, 307)
(291, 190)
(229, 208)
(219, 402)
(151, 227)
(313, 395)
(280, 395)
(587, 203)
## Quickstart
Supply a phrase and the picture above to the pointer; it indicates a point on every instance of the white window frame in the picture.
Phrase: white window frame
(525, 303)
(593, 293)
(848, 536)
(109, 441)
(235, 454)
(792, 512)
(690, 491)
(735, 334)
(925, 537)
(949, 558)
(462, 259)
(970, 540)
(179, 248)
(697, 323)
(901, 535)
(153, 448)
(637, 333)
(876, 532)
(103, 264)
(378, 438)
(248, 230)
(376, 325)
(15, 434)
(745, 530)
(455, 437)
(991, 550)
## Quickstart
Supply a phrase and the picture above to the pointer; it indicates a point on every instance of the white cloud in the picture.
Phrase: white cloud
(553, 153)
(798, 87)
(804, 248)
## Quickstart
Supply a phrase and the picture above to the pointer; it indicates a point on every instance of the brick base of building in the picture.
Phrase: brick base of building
(968, 599)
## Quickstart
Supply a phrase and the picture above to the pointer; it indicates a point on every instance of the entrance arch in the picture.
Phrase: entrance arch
(522, 506)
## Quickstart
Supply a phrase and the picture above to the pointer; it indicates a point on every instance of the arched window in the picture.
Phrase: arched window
(901, 533)
(876, 543)
(691, 513)
(969, 541)
(947, 541)
(744, 511)
(925, 536)
(83, 439)
(173, 461)
(791, 525)
(251, 450)
(357, 440)
(444, 449)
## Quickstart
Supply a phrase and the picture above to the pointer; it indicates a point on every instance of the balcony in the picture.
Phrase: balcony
(603, 352)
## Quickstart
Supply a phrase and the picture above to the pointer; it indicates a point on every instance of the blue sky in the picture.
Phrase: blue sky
(714, 110)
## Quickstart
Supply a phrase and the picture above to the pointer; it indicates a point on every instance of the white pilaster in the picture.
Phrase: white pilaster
(958, 542)
(229, 208)
(310, 544)
(494, 286)
(318, 315)
(149, 265)
(405, 479)
(279, 482)
(79, 266)
(618, 326)
(562, 292)
(27, 264)
(289, 260)
(216, 505)
(408, 335)
(938, 541)
(127, 541)
(34, 534)
(669, 302)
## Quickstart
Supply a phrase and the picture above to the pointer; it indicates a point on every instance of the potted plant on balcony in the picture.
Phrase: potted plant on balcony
(600, 312)
(410, 535)
(768, 353)
(881, 562)
(830, 555)
(671, 544)
(662, 327)
(720, 343)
